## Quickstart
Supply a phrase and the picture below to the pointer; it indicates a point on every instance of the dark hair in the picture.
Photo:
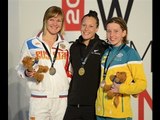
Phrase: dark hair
(122, 24)
(92, 14)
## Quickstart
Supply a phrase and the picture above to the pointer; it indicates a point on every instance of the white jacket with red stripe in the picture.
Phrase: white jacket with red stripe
(52, 85)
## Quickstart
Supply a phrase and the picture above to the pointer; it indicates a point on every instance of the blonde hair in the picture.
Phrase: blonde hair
(53, 11)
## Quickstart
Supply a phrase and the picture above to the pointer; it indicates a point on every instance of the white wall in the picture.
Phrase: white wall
(25, 20)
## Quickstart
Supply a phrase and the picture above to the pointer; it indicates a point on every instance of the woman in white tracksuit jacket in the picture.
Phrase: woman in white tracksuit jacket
(48, 99)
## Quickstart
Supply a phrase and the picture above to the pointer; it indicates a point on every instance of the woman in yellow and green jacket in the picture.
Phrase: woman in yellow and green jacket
(119, 58)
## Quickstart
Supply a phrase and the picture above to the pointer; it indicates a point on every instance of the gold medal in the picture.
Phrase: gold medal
(52, 71)
(81, 71)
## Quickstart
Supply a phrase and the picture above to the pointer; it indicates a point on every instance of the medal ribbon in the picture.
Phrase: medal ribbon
(84, 60)
(55, 55)
(105, 70)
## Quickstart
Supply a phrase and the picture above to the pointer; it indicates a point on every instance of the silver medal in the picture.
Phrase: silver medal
(52, 71)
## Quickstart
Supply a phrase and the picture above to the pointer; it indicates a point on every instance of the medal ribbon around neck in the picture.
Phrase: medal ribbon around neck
(81, 70)
(106, 68)
(52, 70)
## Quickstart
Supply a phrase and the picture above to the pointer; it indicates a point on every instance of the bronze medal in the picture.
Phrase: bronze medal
(81, 71)
(52, 71)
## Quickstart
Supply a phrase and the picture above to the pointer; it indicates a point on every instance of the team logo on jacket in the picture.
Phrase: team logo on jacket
(119, 57)
(62, 46)
(96, 52)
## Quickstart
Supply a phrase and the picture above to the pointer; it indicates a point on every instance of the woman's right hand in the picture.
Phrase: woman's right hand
(29, 73)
